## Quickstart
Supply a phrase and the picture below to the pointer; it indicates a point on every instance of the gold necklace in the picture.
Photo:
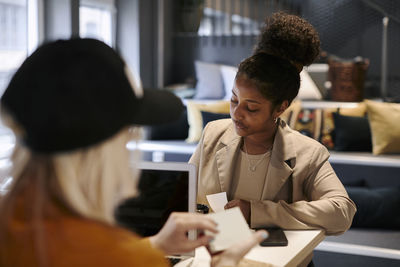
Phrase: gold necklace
(253, 168)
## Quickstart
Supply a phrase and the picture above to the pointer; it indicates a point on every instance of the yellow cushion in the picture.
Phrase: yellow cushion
(195, 119)
(384, 121)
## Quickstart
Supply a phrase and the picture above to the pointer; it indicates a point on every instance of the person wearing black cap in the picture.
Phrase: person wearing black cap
(71, 105)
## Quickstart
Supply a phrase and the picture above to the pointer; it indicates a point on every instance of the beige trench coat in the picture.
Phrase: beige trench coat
(301, 190)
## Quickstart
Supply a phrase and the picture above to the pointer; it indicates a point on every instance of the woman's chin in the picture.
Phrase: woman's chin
(240, 131)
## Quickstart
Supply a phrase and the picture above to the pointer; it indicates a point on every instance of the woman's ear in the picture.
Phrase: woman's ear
(281, 108)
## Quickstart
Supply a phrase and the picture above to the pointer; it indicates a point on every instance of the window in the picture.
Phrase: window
(231, 17)
(19, 35)
(13, 38)
(216, 22)
(96, 20)
(238, 17)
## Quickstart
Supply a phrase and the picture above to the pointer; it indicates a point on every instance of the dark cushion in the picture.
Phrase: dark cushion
(376, 207)
(351, 133)
(210, 116)
(177, 130)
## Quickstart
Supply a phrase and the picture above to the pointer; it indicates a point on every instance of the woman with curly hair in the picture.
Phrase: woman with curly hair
(275, 175)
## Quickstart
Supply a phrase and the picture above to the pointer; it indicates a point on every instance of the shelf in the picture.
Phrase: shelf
(350, 158)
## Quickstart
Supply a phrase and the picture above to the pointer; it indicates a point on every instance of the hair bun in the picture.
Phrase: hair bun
(290, 37)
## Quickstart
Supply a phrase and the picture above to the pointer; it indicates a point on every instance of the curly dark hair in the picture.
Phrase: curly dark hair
(290, 37)
(274, 77)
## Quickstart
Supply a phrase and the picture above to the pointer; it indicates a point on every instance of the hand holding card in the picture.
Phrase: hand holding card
(232, 229)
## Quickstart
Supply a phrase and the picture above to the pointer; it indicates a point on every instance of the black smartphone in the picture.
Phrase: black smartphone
(276, 237)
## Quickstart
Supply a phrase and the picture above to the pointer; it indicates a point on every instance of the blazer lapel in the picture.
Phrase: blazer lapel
(226, 156)
(278, 170)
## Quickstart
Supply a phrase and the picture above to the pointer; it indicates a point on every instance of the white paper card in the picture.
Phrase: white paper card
(232, 228)
(217, 201)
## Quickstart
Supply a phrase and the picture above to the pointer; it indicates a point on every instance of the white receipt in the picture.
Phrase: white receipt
(232, 228)
(217, 201)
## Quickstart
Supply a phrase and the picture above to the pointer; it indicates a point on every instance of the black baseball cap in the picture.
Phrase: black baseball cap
(71, 94)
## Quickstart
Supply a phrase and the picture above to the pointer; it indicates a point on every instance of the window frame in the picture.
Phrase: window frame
(108, 5)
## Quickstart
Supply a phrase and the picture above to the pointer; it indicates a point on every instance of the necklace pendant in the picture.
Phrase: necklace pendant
(252, 168)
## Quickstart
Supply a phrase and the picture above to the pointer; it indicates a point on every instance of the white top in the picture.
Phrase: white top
(251, 171)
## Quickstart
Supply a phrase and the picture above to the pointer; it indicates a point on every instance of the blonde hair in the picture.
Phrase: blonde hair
(95, 179)
(90, 181)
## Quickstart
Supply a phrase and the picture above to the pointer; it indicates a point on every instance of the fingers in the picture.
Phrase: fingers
(191, 221)
(172, 238)
(242, 248)
(235, 253)
(231, 204)
(200, 241)
(260, 235)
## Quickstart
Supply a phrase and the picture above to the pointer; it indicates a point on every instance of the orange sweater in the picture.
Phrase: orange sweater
(70, 241)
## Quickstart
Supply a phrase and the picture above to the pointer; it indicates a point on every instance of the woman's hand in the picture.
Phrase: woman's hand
(233, 255)
(173, 238)
(243, 205)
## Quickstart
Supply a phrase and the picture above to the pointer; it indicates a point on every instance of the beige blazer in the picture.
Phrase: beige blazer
(301, 190)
